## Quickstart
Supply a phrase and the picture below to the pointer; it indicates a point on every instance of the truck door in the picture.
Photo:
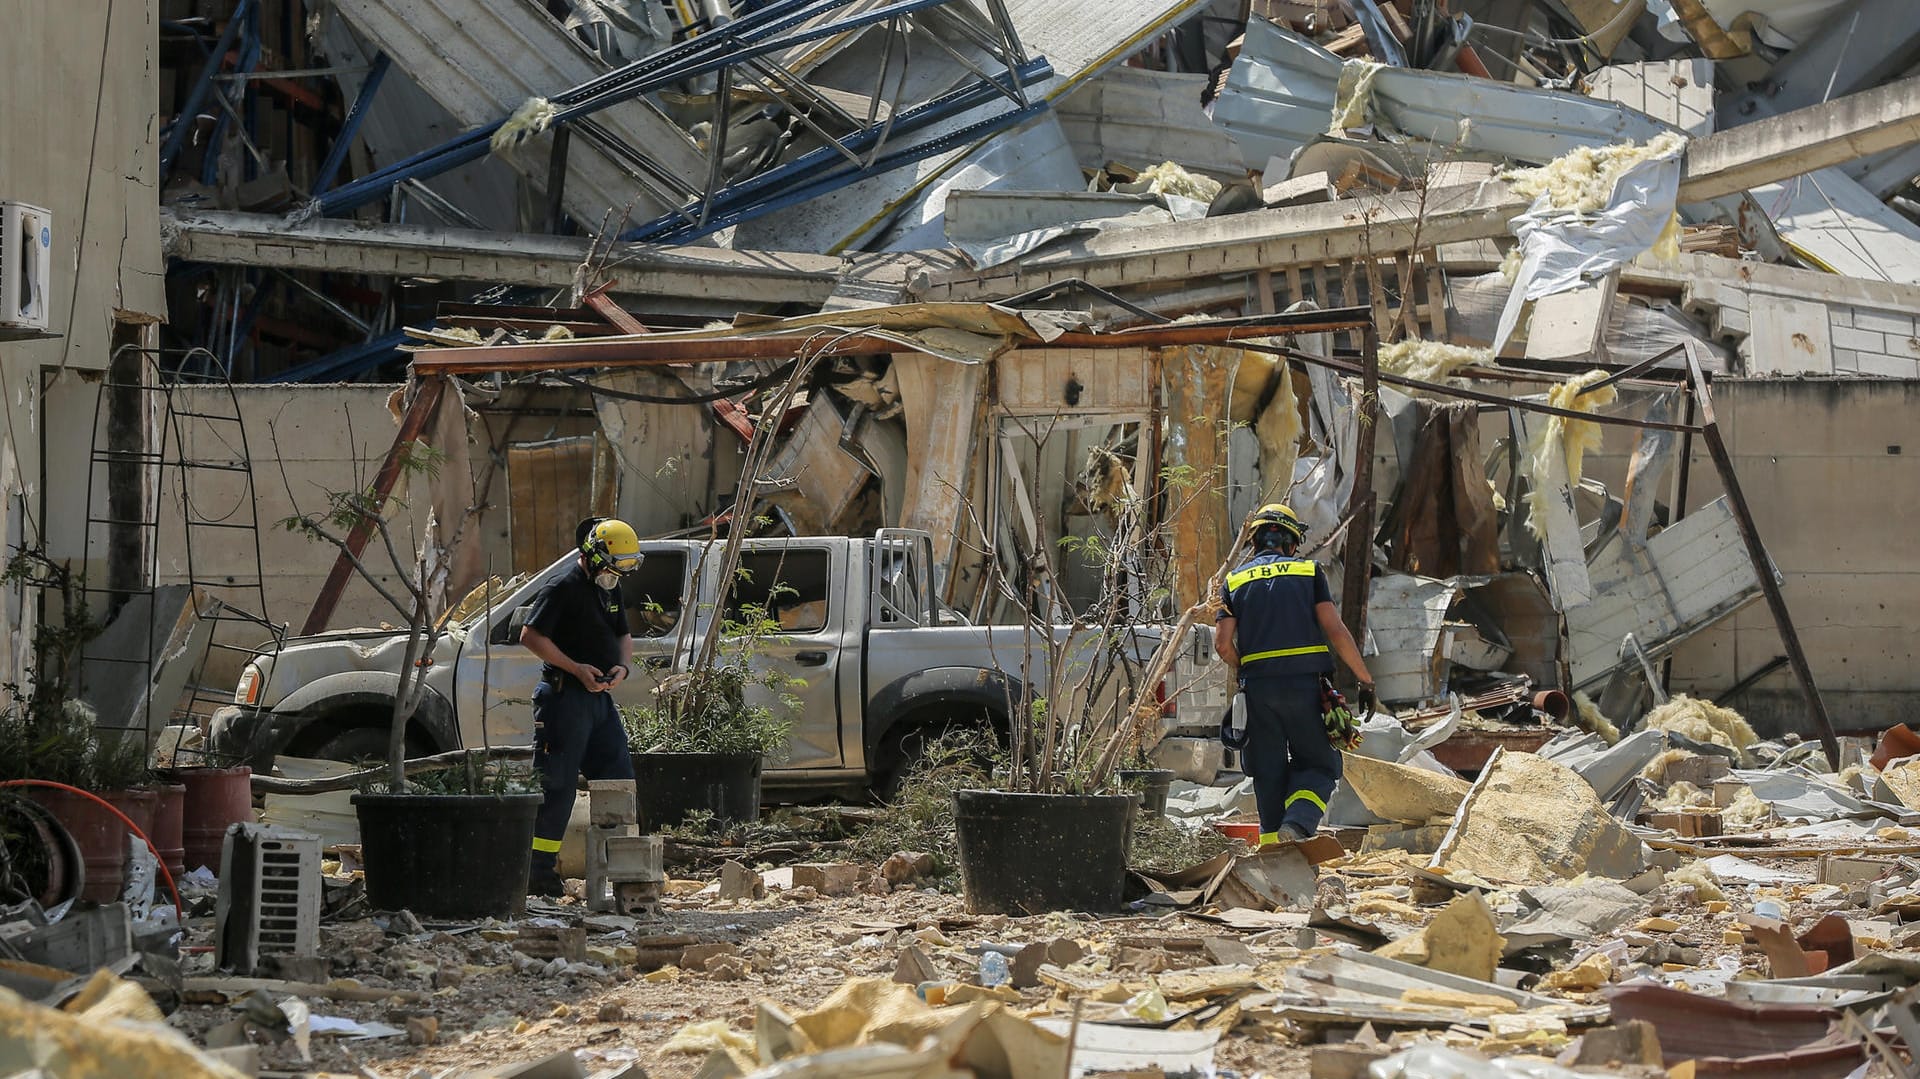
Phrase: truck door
(792, 586)
(496, 675)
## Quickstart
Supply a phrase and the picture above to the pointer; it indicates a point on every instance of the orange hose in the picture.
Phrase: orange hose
(179, 911)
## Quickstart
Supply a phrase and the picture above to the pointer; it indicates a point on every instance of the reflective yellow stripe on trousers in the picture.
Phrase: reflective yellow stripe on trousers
(546, 846)
(1309, 796)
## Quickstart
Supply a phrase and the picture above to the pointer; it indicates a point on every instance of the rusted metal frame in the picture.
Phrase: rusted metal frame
(1358, 557)
(1762, 565)
(618, 317)
(1345, 367)
(420, 413)
(1636, 370)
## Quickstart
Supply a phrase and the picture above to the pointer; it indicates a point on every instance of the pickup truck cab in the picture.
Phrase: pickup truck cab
(875, 661)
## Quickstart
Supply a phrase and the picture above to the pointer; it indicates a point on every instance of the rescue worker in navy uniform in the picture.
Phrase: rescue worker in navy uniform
(1278, 632)
(578, 626)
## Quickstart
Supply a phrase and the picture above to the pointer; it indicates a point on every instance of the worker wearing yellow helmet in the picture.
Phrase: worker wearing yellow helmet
(1278, 631)
(578, 627)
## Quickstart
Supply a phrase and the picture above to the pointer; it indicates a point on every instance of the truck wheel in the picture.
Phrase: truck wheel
(357, 744)
(904, 749)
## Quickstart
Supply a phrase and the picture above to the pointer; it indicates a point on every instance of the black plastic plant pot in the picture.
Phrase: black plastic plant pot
(452, 856)
(672, 786)
(1033, 853)
(1153, 785)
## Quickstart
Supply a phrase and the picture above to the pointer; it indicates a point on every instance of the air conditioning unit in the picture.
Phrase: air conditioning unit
(26, 251)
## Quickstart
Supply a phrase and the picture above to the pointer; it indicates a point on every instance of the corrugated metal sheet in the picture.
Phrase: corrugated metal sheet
(1080, 38)
(1406, 616)
(1140, 117)
(1279, 97)
(1688, 577)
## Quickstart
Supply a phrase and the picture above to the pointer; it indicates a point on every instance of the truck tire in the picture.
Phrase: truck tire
(356, 744)
(906, 744)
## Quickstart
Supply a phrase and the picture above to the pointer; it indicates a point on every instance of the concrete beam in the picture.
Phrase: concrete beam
(339, 246)
(1791, 144)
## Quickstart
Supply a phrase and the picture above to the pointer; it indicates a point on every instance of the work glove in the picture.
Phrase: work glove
(1363, 699)
(1343, 730)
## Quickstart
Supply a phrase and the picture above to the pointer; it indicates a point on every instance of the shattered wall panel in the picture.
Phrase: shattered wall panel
(1687, 577)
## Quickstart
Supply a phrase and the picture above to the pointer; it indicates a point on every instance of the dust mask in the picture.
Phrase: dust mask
(608, 580)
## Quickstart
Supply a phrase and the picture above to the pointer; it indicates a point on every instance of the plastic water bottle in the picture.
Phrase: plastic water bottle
(1239, 720)
(993, 970)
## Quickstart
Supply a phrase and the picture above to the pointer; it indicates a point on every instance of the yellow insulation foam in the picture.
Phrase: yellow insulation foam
(1168, 178)
(1429, 361)
(534, 116)
(1704, 721)
(1570, 438)
(1353, 98)
(1590, 718)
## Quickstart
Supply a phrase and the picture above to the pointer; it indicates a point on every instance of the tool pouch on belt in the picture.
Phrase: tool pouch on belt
(1343, 730)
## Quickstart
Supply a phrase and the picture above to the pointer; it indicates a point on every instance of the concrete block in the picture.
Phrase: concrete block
(1686, 825)
(1633, 1042)
(1726, 790)
(1790, 337)
(695, 956)
(1845, 359)
(1839, 315)
(827, 878)
(612, 802)
(1883, 322)
(1849, 869)
(1858, 339)
(1701, 769)
(552, 942)
(1889, 366)
(739, 882)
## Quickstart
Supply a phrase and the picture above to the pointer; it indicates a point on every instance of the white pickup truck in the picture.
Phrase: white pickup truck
(878, 663)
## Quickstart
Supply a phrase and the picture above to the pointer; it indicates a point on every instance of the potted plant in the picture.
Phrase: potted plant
(1051, 831)
(451, 844)
(52, 740)
(701, 750)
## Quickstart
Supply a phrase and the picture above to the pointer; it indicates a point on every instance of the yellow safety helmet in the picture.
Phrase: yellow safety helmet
(1266, 526)
(611, 545)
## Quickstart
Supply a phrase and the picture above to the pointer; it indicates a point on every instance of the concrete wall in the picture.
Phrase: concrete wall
(79, 137)
(1830, 468)
(303, 442)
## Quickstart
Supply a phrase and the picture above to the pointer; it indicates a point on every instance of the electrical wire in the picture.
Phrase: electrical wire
(760, 383)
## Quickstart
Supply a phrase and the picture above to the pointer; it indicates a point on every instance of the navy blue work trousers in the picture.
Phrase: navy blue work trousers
(1293, 766)
(574, 732)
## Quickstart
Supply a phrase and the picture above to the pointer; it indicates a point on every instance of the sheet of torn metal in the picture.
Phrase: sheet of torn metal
(482, 61)
(824, 476)
(1137, 116)
(670, 472)
(743, 279)
(993, 227)
(1079, 38)
(1032, 157)
(405, 119)
(1689, 576)
(1836, 225)
(1553, 516)
(1282, 88)
(941, 406)
(1406, 617)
